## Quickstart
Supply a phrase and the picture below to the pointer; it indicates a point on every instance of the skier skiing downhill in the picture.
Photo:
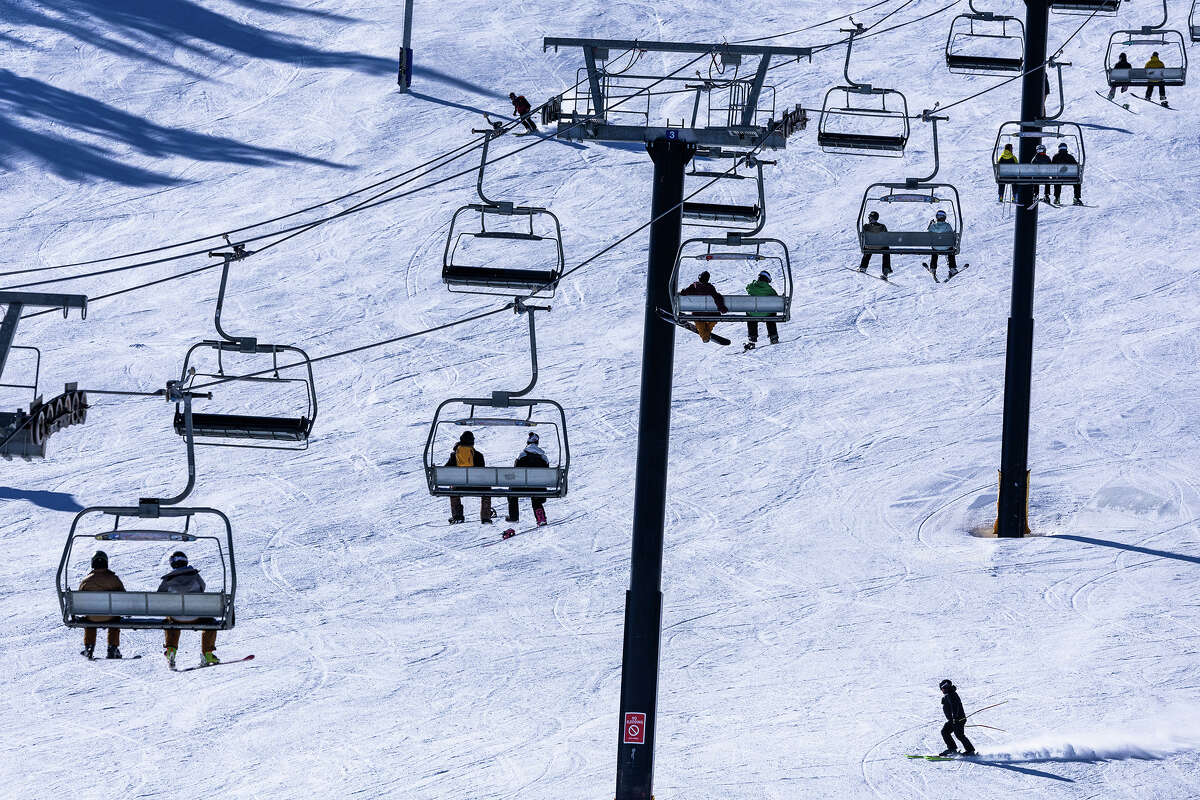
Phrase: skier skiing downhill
(101, 579)
(761, 287)
(940, 225)
(1122, 63)
(531, 456)
(464, 454)
(1063, 156)
(873, 225)
(184, 579)
(1007, 156)
(956, 721)
(1156, 63)
(703, 287)
(522, 109)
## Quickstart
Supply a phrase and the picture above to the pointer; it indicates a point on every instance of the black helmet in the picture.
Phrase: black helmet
(512, 94)
(946, 685)
(467, 438)
(704, 276)
(873, 215)
(1062, 145)
(178, 559)
(99, 560)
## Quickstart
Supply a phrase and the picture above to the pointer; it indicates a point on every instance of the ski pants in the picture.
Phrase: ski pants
(485, 508)
(705, 330)
(529, 124)
(1162, 91)
(1058, 192)
(866, 259)
(752, 330)
(114, 636)
(933, 259)
(1112, 90)
(208, 639)
(959, 730)
(514, 512)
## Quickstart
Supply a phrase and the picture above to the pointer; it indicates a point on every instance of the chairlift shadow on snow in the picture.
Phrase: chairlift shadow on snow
(1130, 547)
(52, 501)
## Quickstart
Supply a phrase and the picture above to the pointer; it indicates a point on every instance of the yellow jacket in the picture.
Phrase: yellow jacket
(1155, 63)
(1007, 157)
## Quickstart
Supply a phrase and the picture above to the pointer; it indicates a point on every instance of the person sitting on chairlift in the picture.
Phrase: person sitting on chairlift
(184, 579)
(523, 110)
(1040, 157)
(761, 287)
(465, 455)
(531, 456)
(101, 579)
(873, 225)
(1122, 63)
(940, 225)
(1156, 63)
(1063, 156)
(1007, 156)
(703, 287)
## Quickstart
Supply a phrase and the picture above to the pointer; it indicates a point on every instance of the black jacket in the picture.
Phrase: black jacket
(706, 289)
(184, 580)
(1063, 157)
(1040, 158)
(530, 459)
(953, 707)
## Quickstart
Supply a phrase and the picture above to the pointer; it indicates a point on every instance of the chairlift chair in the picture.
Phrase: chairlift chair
(911, 240)
(755, 254)
(208, 610)
(1090, 7)
(1194, 21)
(539, 416)
(862, 101)
(728, 215)
(1068, 133)
(968, 31)
(1147, 36)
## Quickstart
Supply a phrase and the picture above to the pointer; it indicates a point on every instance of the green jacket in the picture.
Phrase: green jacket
(759, 288)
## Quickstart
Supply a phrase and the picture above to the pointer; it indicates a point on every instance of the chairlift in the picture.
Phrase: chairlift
(286, 429)
(1170, 41)
(750, 255)
(846, 107)
(1090, 7)
(1194, 21)
(208, 610)
(981, 42)
(1068, 133)
(490, 222)
(725, 215)
(911, 239)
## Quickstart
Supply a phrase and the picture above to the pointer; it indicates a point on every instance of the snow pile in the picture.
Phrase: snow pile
(1148, 741)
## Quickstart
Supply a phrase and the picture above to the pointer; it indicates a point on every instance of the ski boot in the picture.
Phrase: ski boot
(969, 753)
(456, 520)
(489, 519)
(1077, 202)
(209, 659)
(948, 752)
(952, 273)
(862, 269)
(88, 653)
(774, 340)
(748, 346)
(512, 519)
(886, 272)
(170, 652)
(114, 652)
(540, 515)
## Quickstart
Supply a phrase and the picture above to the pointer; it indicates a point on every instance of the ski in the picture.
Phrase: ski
(869, 275)
(1118, 105)
(721, 340)
(931, 271)
(219, 664)
(1159, 103)
(958, 271)
(749, 346)
(509, 533)
(122, 658)
(933, 758)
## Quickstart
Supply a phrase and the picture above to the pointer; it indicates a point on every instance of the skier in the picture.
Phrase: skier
(101, 579)
(1156, 63)
(531, 456)
(464, 454)
(1064, 157)
(523, 110)
(1040, 157)
(183, 579)
(761, 287)
(956, 721)
(703, 287)
(940, 225)
(1007, 156)
(1122, 63)
(873, 225)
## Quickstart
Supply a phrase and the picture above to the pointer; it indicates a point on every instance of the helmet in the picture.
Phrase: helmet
(1041, 148)
(178, 559)
(873, 215)
(704, 276)
(99, 560)
(764, 276)
(1062, 146)
(467, 438)
(945, 684)
(533, 438)
(940, 214)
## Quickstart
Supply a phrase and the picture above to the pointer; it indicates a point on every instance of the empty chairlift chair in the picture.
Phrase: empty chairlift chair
(524, 256)
(729, 215)
(1097, 7)
(1194, 21)
(985, 43)
(1051, 134)
(496, 415)
(856, 119)
(748, 256)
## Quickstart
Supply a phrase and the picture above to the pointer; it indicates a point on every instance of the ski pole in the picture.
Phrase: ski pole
(991, 727)
(985, 708)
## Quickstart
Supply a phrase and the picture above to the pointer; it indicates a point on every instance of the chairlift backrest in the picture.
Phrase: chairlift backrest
(729, 216)
(1170, 46)
(910, 235)
(1089, 7)
(754, 255)
(533, 268)
(1057, 132)
(965, 51)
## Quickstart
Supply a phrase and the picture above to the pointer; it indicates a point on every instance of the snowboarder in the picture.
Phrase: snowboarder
(1040, 157)
(184, 579)
(956, 721)
(1122, 63)
(873, 225)
(101, 579)
(761, 287)
(1063, 156)
(940, 225)
(1156, 63)
(464, 454)
(531, 456)
(703, 287)
(523, 110)
(1007, 156)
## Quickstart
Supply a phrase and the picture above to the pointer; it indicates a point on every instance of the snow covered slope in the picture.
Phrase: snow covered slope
(820, 573)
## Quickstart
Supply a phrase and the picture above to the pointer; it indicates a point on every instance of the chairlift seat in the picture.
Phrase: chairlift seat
(860, 141)
(498, 481)
(739, 308)
(1086, 6)
(524, 237)
(499, 278)
(1040, 174)
(1195, 31)
(1139, 76)
(239, 426)
(721, 212)
(191, 611)
(909, 242)
(983, 63)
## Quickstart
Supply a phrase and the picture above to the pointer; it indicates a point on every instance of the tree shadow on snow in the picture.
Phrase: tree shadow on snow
(54, 501)
(137, 28)
(75, 159)
(1130, 547)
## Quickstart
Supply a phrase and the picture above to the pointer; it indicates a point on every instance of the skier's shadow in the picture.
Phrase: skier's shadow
(1037, 773)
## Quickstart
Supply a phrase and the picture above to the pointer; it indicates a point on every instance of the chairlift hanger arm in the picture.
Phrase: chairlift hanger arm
(928, 116)
(175, 393)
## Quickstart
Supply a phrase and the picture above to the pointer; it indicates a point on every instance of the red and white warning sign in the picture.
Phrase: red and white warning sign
(635, 727)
